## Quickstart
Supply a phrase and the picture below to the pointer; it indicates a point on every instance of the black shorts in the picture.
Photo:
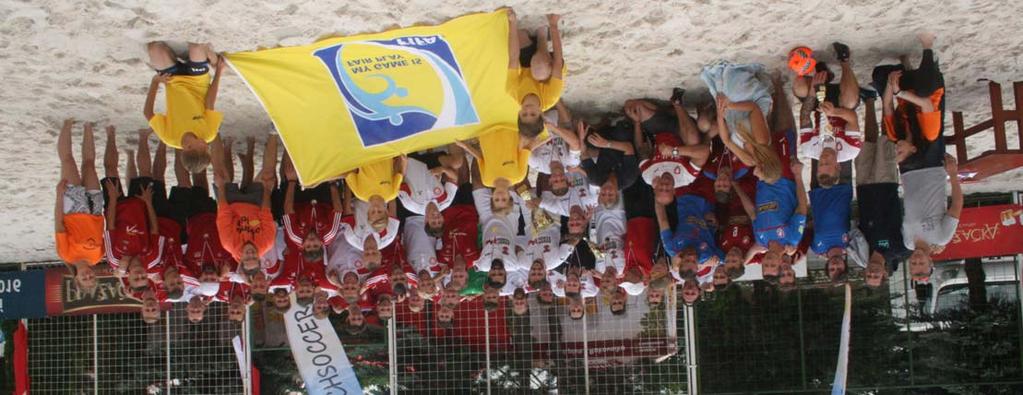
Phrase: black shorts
(660, 122)
(526, 53)
(189, 68)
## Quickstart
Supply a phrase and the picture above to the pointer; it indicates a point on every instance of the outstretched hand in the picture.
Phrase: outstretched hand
(951, 166)
(113, 191)
(598, 141)
(147, 194)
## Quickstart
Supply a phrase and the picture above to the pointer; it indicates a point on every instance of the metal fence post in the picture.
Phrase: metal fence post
(392, 354)
(95, 355)
(586, 356)
(486, 329)
(802, 342)
(692, 367)
(168, 345)
(247, 344)
(909, 320)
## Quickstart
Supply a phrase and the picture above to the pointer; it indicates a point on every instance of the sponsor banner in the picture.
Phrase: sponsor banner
(348, 101)
(318, 353)
(986, 231)
(21, 295)
(64, 298)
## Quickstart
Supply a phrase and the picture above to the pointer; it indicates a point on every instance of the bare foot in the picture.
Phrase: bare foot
(926, 39)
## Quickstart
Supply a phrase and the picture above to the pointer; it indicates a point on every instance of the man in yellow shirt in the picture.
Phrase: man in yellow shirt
(377, 183)
(534, 95)
(190, 122)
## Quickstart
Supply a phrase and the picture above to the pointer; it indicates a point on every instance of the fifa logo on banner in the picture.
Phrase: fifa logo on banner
(395, 89)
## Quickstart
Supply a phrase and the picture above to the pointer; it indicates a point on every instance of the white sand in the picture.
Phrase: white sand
(86, 60)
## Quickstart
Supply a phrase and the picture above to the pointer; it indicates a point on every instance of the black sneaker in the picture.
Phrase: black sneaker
(676, 95)
(841, 51)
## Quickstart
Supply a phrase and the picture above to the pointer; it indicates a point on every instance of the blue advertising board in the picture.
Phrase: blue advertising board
(22, 294)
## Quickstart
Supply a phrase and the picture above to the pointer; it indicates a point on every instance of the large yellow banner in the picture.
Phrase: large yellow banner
(347, 101)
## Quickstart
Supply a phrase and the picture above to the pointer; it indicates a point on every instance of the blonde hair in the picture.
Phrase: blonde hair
(765, 156)
(195, 161)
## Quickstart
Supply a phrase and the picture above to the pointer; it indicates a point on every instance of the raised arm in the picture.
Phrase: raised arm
(801, 199)
(154, 87)
(571, 138)
(513, 40)
(559, 61)
(470, 149)
(211, 93)
(662, 217)
(335, 198)
(289, 197)
(955, 209)
(747, 203)
(147, 197)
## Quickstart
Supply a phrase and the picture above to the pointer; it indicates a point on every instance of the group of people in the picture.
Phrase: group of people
(672, 195)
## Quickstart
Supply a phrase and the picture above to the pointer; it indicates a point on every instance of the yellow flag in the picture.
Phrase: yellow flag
(347, 101)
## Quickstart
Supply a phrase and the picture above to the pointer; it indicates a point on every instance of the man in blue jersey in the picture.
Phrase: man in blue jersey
(692, 244)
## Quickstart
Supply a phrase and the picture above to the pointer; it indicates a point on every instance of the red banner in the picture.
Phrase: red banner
(986, 231)
(64, 298)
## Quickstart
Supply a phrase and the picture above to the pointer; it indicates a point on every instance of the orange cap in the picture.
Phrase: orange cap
(801, 61)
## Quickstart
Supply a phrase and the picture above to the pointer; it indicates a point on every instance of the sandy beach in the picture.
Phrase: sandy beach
(86, 60)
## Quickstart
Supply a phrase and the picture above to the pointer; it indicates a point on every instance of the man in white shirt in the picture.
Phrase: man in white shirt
(423, 187)
(567, 189)
(928, 224)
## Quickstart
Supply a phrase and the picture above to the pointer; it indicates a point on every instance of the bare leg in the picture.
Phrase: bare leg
(110, 157)
(89, 178)
(782, 119)
(184, 180)
(143, 160)
(160, 162)
(68, 168)
(199, 180)
(269, 157)
(160, 55)
(801, 87)
(248, 161)
(524, 40)
(133, 171)
(228, 159)
(849, 95)
(200, 53)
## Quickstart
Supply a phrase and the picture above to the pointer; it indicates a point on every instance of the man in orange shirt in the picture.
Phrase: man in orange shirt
(913, 105)
(244, 219)
(78, 215)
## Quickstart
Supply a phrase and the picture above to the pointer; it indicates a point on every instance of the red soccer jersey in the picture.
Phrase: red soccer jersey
(312, 216)
(204, 246)
(640, 240)
(736, 233)
(461, 230)
(130, 236)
